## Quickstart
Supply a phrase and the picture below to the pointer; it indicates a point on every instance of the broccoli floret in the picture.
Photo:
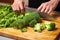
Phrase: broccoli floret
(38, 27)
(20, 16)
(32, 23)
(49, 25)
(24, 29)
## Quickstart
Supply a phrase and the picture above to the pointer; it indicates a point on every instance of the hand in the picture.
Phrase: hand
(18, 5)
(48, 7)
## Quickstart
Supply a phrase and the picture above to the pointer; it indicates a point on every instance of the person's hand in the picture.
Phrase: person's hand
(48, 7)
(18, 5)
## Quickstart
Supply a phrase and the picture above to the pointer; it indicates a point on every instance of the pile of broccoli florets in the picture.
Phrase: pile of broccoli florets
(10, 18)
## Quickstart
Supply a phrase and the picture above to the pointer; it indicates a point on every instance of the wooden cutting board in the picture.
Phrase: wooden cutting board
(31, 35)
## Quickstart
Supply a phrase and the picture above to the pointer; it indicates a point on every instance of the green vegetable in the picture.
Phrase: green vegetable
(2, 21)
(27, 18)
(10, 15)
(18, 23)
(2, 25)
(32, 23)
(9, 21)
(10, 18)
(6, 7)
(50, 26)
(30, 16)
(24, 29)
(35, 16)
(3, 14)
(20, 16)
(27, 13)
(38, 27)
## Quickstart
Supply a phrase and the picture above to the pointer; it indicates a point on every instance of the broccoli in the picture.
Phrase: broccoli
(49, 25)
(18, 23)
(2, 25)
(38, 27)
(10, 15)
(3, 14)
(20, 16)
(6, 7)
(35, 16)
(9, 18)
(32, 23)
(2, 21)
(24, 29)
(9, 21)
(27, 13)
(27, 18)
(30, 16)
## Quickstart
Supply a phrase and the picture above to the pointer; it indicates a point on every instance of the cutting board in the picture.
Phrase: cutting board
(31, 35)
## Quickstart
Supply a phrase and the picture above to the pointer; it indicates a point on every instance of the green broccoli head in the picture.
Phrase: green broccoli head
(29, 16)
(35, 15)
(50, 26)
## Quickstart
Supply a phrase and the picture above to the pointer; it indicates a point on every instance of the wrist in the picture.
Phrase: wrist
(54, 1)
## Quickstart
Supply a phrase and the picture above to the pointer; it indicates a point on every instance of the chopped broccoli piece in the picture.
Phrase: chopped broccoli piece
(38, 27)
(24, 29)
(49, 25)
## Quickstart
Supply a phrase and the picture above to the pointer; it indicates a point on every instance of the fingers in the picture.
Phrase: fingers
(15, 6)
(40, 7)
(45, 8)
(18, 6)
(50, 9)
(21, 6)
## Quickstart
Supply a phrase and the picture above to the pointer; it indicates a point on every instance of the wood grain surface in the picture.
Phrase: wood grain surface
(31, 35)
